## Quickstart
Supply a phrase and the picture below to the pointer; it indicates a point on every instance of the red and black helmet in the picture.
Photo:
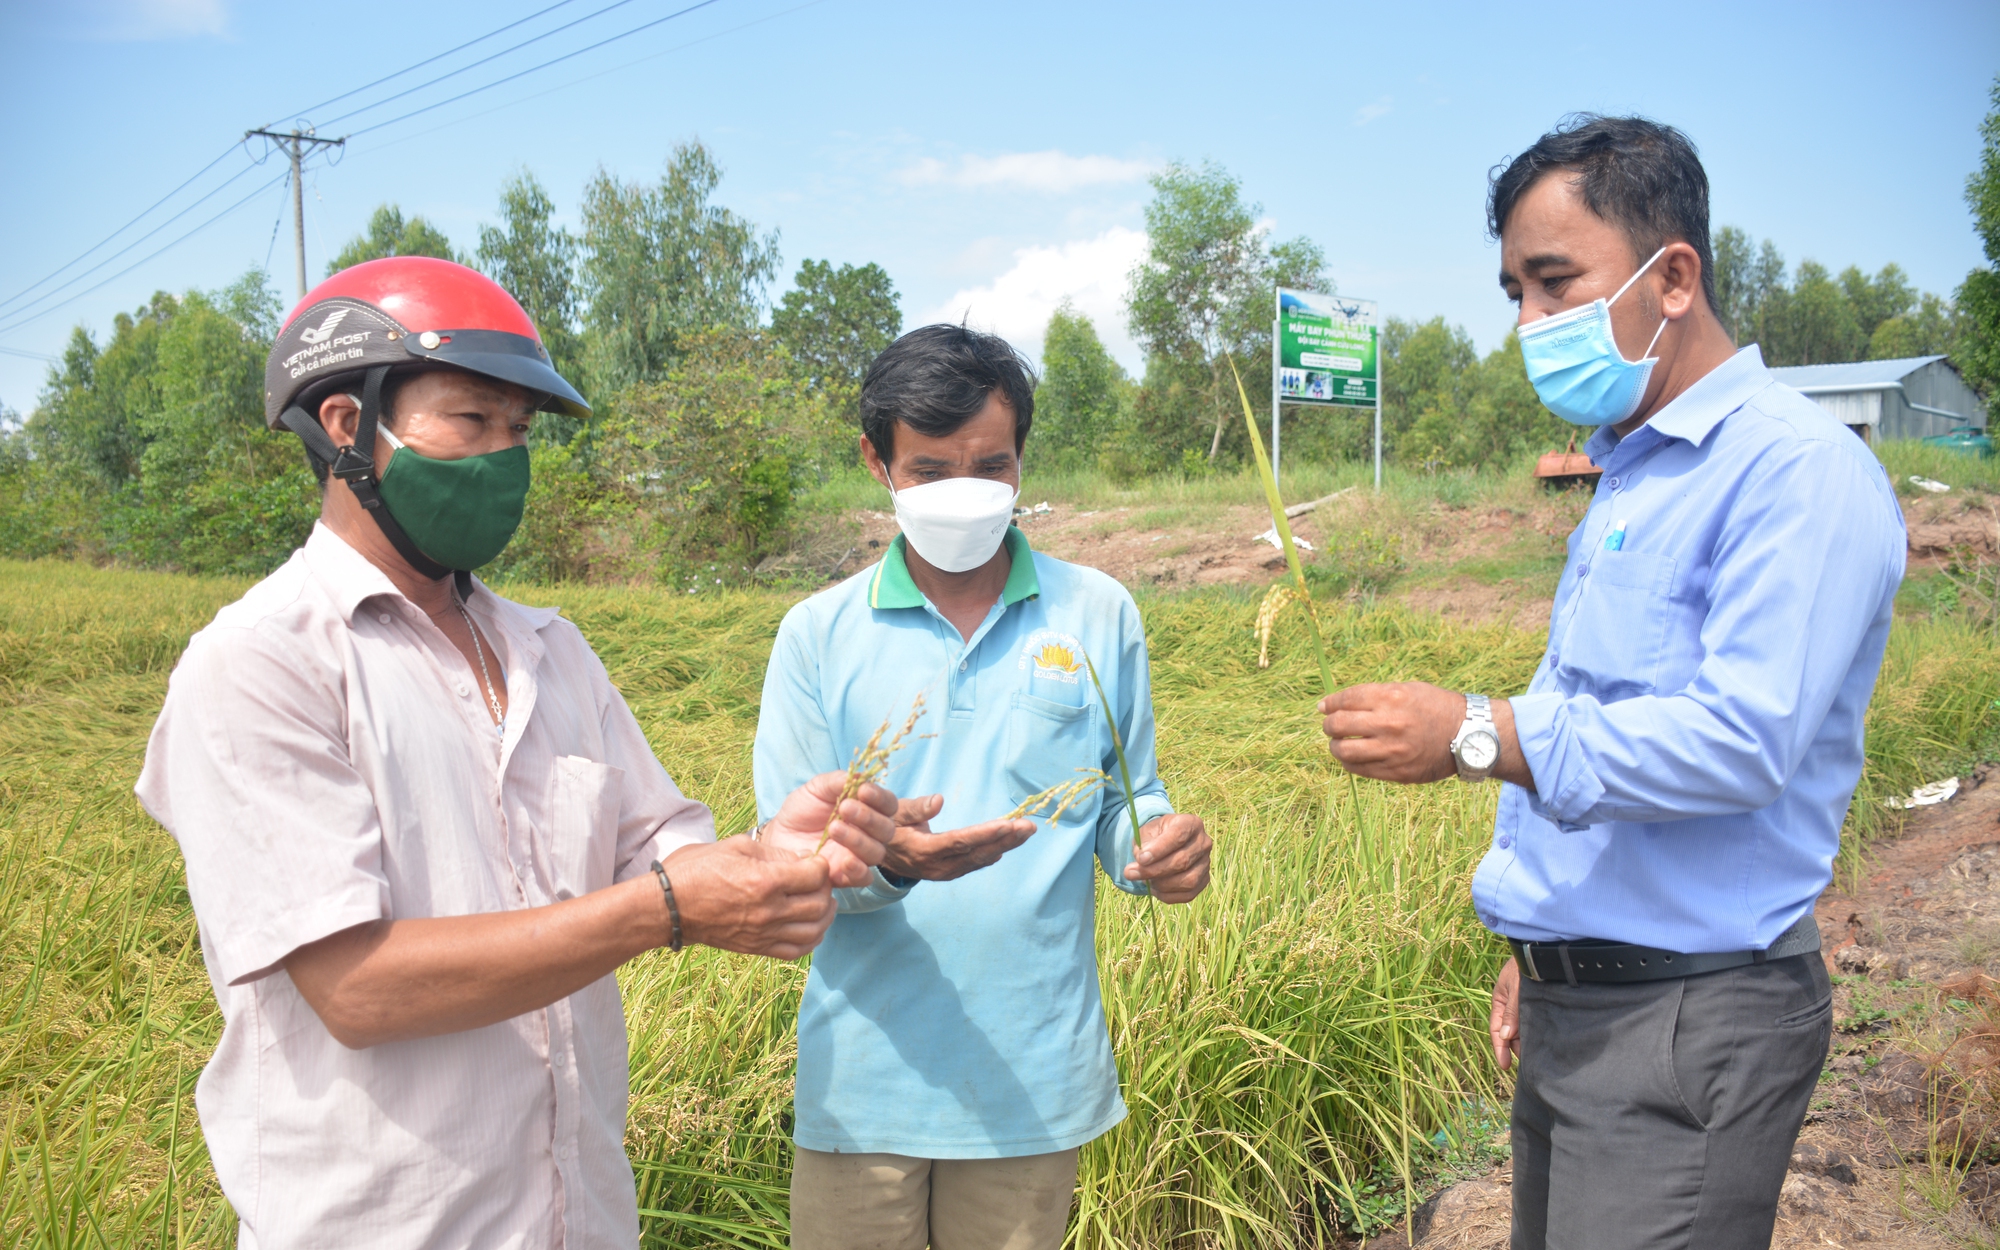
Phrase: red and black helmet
(407, 311)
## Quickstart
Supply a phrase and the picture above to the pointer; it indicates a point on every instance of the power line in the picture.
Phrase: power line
(533, 69)
(122, 229)
(427, 60)
(15, 351)
(593, 76)
(616, 4)
(15, 298)
(15, 325)
(63, 286)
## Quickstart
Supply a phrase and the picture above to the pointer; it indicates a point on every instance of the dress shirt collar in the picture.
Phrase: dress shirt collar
(1701, 407)
(892, 586)
(351, 580)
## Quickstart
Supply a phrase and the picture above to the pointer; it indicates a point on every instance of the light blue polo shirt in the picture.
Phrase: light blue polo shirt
(961, 1019)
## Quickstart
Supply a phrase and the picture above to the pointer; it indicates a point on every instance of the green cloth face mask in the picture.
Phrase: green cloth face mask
(461, 513)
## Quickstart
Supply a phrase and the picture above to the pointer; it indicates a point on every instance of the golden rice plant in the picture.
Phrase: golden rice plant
(870, 763)
(1316, 1011)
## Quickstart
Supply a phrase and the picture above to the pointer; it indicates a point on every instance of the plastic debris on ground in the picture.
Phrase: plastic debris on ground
(1037, 510)
(1271, 536)
(1930, 484)
(1924, 796)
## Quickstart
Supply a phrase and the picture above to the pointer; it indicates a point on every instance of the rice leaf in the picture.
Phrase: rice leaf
(1282, 526)
(1117, 745)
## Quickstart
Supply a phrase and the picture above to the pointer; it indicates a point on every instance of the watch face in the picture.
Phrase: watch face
(1479, 750)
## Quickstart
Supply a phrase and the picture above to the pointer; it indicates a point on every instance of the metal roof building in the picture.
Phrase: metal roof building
(1915, 397)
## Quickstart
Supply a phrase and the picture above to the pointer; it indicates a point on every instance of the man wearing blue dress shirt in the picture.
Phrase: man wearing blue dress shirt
(1680, 766)
(953, 1053)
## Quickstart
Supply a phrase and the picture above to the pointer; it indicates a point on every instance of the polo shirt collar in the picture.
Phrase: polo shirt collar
(892, 587)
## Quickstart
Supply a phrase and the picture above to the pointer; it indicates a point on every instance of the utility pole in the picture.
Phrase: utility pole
(295, 143)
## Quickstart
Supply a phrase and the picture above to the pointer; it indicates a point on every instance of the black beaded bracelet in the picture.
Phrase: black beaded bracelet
(673, 908)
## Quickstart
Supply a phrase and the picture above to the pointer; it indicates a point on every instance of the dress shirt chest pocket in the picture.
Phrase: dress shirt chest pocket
(1618, 630)
(583, 824)
(1046, 743)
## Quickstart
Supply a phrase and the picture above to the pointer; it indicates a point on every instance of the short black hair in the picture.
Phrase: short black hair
(937, 378)
(1641, 176)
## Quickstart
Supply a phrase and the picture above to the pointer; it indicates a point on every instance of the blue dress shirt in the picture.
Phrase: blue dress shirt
(961, 1019)
(1695, 729)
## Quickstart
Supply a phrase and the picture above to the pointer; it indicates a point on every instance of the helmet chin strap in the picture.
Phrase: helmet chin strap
(357, 468)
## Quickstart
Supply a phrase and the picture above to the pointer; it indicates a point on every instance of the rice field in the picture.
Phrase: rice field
(1310, 1023)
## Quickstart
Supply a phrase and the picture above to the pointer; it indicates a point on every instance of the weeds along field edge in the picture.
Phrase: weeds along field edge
(1313, 1017)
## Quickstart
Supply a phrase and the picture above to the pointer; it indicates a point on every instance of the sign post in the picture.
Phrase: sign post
(1325, 350)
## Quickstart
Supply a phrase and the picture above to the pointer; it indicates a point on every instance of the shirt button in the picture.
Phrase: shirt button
(1583, 570)
(1506, 840)
(1612, 482)
(384, 618)
(463, 693)
(963, 665)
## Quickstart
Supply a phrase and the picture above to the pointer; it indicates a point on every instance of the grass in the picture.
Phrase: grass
(1289, 1045)
(1907, 458)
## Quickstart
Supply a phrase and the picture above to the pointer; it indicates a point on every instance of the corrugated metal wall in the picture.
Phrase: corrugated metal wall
(1936, 385)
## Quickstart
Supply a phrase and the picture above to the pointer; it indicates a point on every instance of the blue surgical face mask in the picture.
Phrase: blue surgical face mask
(1575, 365)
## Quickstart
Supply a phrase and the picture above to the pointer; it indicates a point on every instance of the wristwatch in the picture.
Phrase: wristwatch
(1476, 749)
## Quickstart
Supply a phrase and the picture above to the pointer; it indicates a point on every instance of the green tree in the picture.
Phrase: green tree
(1745, 278)
(834, 322)
(1811, 323)
(713, 454)
(1933, 328)
(388, 234)
(153, 449)
(1081, 396)
(662, 263)
(1979, 296)
(1205, 288)
(536, 261)
(1428, 372)
(1875, 300)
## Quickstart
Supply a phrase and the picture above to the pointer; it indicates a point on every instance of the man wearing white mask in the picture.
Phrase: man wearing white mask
(1680, 766)
(953, 1053)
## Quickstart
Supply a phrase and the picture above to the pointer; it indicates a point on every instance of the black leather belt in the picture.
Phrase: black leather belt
(1574, 962)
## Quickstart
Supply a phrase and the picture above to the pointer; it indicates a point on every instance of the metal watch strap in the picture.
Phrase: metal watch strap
(1478, 718)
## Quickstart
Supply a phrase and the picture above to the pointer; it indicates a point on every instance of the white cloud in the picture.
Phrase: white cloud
(140, 21)
(1369, 112)
(1051, 171)
(1092, 274)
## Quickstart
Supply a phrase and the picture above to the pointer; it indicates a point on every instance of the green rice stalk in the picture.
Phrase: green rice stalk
(1117, 745)
(1282, 526)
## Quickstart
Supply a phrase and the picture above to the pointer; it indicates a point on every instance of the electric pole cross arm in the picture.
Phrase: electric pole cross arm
(296, 143)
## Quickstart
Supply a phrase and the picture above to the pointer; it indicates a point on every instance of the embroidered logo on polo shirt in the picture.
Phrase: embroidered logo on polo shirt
(1055, 656)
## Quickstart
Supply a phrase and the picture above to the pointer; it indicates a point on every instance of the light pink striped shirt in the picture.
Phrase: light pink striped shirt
(325, 758)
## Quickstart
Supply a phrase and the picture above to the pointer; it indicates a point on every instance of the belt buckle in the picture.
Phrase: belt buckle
(1528, 953)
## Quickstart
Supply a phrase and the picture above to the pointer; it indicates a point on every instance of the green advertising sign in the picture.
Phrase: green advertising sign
(1326, 349)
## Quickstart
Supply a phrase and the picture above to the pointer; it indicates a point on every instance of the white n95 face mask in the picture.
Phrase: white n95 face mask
(1575, 366)
(958, 523)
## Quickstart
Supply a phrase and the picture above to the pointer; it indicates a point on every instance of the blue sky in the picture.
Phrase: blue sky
(991, 158)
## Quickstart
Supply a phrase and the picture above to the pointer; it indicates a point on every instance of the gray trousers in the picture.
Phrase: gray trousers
(1662, 1114)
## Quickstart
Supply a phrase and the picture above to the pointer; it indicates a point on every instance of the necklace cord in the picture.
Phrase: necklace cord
(479, 653)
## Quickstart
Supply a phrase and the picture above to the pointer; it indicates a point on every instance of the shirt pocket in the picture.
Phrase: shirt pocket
(1612, 646)
(583, 824)
(1046, 743)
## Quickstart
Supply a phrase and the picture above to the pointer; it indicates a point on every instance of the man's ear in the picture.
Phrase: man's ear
(1680, 272)
(873, 459)
(340, 417)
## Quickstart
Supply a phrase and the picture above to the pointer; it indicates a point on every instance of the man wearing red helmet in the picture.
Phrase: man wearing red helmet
(421, 827)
